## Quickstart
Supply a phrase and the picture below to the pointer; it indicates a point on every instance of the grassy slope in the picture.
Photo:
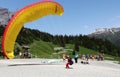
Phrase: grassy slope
(41, 49)
(82, 50)
(44, 49)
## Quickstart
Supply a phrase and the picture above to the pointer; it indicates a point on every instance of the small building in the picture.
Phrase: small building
(26, 52)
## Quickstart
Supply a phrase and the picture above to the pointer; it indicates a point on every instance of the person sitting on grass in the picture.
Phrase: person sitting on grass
(84, 62)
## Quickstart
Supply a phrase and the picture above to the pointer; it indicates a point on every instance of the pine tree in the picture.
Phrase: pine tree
(76, 47)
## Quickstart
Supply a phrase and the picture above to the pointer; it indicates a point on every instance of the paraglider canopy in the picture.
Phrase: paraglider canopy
(29, 13)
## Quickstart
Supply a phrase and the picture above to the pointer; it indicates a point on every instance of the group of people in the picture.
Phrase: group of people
(86, 57)
(99, 57)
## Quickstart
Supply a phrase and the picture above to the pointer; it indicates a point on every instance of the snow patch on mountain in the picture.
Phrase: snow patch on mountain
(106, 30)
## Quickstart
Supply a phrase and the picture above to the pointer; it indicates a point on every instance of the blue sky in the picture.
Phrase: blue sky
(80, 16)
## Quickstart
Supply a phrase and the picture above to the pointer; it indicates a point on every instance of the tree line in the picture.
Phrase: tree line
(100, 45)
(27, 36)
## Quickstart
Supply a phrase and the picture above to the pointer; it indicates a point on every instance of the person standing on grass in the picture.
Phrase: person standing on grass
(76, 58)
(87, 57)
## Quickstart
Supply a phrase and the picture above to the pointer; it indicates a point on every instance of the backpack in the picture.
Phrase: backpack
(71, 62)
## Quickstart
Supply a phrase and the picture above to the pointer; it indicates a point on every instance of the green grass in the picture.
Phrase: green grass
(82, 50)
(42, 49)
(113, 58)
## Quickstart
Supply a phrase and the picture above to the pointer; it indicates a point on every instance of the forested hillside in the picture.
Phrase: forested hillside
(111, 34)
(28, 36)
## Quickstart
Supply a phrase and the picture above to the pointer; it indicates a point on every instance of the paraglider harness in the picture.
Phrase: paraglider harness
(71, 61)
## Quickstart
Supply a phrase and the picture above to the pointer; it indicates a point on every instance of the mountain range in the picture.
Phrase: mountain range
(111, 34)
(5, 16)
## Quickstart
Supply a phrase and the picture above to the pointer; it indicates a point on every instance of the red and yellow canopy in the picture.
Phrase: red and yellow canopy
(27, 14)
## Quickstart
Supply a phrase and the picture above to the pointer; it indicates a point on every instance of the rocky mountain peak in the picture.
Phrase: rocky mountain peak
(112, 34)
(5, 16)
(106, 30)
